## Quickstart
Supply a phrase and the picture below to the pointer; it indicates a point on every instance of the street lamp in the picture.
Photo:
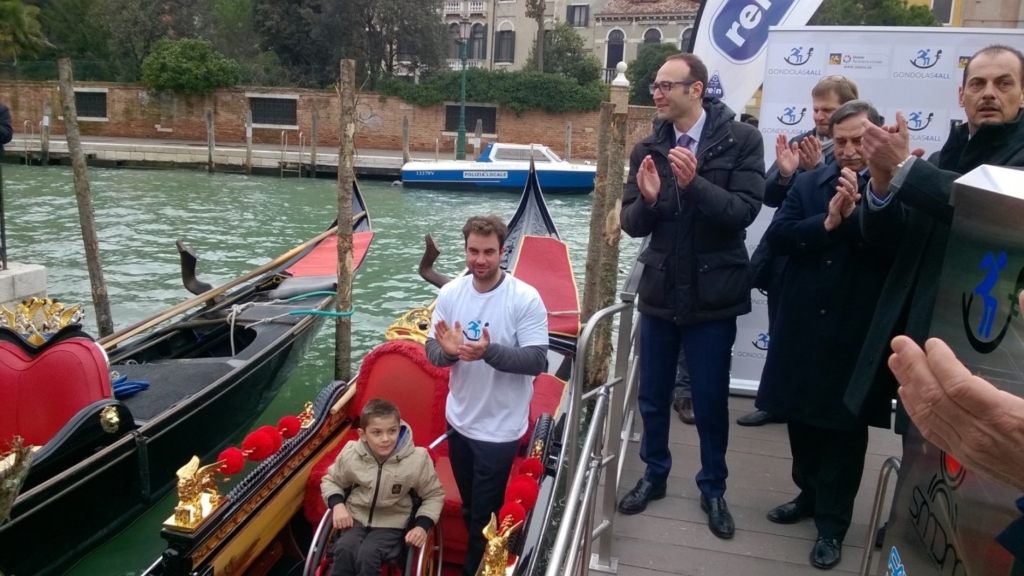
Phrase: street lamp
(460, 143)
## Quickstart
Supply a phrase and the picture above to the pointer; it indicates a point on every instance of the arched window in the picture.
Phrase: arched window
(684, 44)
(453, 31)
(478, 42)
(616, 47)
(652, 36)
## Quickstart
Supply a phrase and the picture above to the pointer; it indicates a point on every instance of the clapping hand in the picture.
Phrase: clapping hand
(684, 166)
(845, 200)
(449, 339)
(472, 351)
(648, 180)
(810, 152)
(787, 156)
(885, 147)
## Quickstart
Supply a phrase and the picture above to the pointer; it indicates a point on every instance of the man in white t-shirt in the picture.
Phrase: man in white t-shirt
(492, 329)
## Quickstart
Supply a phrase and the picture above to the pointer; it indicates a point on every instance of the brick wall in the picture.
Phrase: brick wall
(133, 112)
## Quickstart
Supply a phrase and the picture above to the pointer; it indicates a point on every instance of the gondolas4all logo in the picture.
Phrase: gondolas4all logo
(981, 336)
(739, 28)
(925, 59)
(797, 57)
(918, 120)
(474, 330)
(762, 341)
(790, 116)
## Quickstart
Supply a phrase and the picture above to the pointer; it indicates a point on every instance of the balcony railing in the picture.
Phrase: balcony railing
(456, 64)
(451, 7)
(608, 74)
(476, 7)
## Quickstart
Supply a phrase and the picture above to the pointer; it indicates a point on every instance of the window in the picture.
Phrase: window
(652, 36)
(478, 42)
(577, 15)
(91, 104)
(274, 111)
(453, 31)
(684, 44)
(616, 46)
(520, 155)
(505, 46)
(943, 10)
(487, 114)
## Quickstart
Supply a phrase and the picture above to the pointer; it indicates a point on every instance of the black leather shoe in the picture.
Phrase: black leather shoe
(827, 552)
(789, 513)
(684, 406)
(719, 518)
(758, 418)
(635, 501)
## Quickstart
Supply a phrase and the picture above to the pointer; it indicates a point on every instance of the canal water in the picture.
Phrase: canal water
(237, 223)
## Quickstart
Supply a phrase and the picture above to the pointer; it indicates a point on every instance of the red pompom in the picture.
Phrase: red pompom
(233, 461)
(258, 445)
(289, 426)
(274, 435)
(510, 515)
(531, 467)
(524, 490)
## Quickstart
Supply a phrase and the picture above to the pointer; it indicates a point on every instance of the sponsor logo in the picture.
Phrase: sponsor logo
(847, 59)
(739, 29)
(762, 341)
(925, 59)
(952, 471)
(715, 89)
(475, 330)
(794, 72)
(895, 564)
(797, 57)
(754, 355)
(835, 59)
(981, 338)
(916, 121)
(963, 62)
(935, 515)
(922, 75)
(789, 116)
(487, 174)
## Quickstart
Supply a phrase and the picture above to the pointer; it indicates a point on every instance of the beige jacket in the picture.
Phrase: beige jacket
(377, 494)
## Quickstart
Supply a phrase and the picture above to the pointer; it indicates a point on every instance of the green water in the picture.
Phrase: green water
(236, 223)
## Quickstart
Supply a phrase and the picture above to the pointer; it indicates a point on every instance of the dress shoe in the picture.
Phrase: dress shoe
(758, 418)
(789, 513)
(684, 406)
(826, 553)
(719, 519)
(635, 501)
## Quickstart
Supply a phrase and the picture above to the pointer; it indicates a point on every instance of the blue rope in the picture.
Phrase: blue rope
(311, 294)
(124, 388)
(322, 313)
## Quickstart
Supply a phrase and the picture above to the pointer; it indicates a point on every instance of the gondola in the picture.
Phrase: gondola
(273, 520)
(103, 461)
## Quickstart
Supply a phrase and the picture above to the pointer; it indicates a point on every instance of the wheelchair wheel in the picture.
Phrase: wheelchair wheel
(320, 545)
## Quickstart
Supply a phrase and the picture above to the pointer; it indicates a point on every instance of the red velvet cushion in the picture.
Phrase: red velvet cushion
(39, 395)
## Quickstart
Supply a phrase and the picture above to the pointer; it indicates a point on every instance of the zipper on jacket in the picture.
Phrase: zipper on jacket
(376, 490)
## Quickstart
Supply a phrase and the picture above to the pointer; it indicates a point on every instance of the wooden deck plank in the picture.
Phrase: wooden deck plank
(671, 536)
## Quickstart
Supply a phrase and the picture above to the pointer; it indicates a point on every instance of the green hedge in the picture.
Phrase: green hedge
(518, 91)
(188, 66)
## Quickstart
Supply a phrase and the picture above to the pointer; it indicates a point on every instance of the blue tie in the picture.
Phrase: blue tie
(684, 141)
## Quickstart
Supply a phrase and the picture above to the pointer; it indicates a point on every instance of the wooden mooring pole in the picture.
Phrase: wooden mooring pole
(346, 180)
(405, 140)
(248, 142)
(44, 134)
(100, 299)
(315, 127)
(209, 140)
(568, 141)
(478, 137)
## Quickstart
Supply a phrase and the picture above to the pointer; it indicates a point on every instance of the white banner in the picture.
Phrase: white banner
(731, 37)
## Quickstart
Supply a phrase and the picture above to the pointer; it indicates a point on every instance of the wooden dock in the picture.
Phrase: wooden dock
(672, 537)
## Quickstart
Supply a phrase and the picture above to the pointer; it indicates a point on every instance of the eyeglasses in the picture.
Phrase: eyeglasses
(666, 86)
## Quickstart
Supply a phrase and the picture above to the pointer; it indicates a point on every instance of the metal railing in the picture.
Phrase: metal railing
(608, 435)
(891, 464)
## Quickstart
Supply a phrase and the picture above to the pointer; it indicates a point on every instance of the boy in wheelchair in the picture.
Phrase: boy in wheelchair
(370, 489)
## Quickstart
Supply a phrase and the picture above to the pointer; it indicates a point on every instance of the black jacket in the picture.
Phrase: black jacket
(696, 267)
(915, 227)
(831, 279)
(6, 130)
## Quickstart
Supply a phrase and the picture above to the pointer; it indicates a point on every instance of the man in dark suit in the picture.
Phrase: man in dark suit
(694, 186)
(6, 130)
(907, 212)
(803, 153)
(831, 279)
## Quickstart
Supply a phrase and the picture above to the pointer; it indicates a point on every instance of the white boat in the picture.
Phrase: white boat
(502, 167)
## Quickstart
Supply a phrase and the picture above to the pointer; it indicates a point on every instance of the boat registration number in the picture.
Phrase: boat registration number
(484, 174)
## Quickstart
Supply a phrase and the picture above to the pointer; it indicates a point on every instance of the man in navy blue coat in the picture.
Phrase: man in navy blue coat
(829, 289)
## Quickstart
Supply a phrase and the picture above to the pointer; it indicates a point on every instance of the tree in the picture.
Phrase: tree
(535, 11)
(644, 69)
(564, 54)
(872, 13)
(187, 66)
(20, 30)
(132, 29)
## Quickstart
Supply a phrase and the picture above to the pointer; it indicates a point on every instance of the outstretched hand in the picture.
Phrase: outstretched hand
(648, 180)
(787, 156)
(449, 339)
(980, 425)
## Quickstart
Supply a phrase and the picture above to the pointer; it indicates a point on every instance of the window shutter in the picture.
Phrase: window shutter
(586, 15)
(483, 44)
(512, 47)
(568, 14)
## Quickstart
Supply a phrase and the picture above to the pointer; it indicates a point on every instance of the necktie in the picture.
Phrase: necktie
(684, 141)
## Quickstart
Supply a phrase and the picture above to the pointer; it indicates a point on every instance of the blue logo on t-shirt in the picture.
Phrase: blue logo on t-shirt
(475, 330)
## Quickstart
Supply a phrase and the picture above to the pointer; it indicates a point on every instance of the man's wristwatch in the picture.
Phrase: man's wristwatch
(900, 166)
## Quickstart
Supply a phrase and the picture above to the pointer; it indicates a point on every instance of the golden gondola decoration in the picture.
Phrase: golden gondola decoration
(413, 325)
(496, 553)
(38, 318)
